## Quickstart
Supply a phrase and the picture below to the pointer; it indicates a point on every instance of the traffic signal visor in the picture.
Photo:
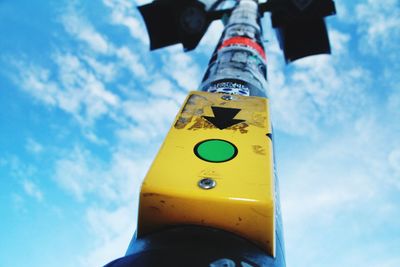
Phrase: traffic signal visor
(303, 37)
(300, 26)
(173, 22)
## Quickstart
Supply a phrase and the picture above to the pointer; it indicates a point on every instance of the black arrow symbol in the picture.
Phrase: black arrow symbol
(223, 117)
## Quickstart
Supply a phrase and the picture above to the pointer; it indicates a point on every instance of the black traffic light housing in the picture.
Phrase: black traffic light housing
(170, 22)
(300, 26)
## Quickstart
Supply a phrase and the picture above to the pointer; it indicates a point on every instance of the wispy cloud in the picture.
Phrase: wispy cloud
(18, 169)
(339, 42)
(162, 87)
(106, 71)
(112, 231)
(77, 90)
(124, 13)
(81, 29)
(36, 80)
(22, 174)
(181, 68)
(132, 61)
(107, 224)
(342, 187)
(78, 27)
(318, 90)
(77, 173)
(18, 202)
(33, 146)
(379, 26)
(211, 38)
(394, 163)
(110, 191)
(83, 175)
(82, 89)
(32, 190)
(151, 119)
(340, 183)
(81, 80)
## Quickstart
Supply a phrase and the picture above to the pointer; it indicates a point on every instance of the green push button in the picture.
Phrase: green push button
(215, 150)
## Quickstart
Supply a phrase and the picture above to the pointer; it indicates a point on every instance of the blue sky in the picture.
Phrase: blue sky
(84, 107)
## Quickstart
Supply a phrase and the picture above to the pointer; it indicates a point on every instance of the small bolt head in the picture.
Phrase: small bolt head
(228, 97)
(207, 183)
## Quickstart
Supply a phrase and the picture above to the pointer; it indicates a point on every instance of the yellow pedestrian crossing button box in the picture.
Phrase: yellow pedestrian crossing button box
(215, 168)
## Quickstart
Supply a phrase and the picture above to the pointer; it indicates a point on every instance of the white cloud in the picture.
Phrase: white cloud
(84, 31)
(342, 12)
(33, 146)
(393, 262)
(77, 91)
(78, 84)
(211, 38)
(76, 175)
(142, 2)
(107, 224)
(18, 203)
(32, 190)
(393, 103)
(90, 135)
(81, 174)
(162, 87)
(36, 80)
(112, 232)
(123, 12)
(115, 184)
(131, 61)
(73, 74)
(182, 68)
(17, 168)
(378, 25)
(103, 70)
(339, 41)
(340, 194)
(394, 163)
(81, 29)
(151, 119)
(316, 91)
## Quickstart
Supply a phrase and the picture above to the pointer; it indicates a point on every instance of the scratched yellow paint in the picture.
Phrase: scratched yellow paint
(243, 200)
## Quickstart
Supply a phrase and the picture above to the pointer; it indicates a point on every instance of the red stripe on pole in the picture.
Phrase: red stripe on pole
(246, 42)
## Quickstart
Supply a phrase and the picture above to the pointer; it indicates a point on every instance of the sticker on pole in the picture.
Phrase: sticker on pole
(244, 41)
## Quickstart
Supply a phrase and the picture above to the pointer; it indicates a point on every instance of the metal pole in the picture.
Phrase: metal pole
(238, 64)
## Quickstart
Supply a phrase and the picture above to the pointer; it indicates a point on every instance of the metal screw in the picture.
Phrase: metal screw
(207, 183)
(228, 97)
